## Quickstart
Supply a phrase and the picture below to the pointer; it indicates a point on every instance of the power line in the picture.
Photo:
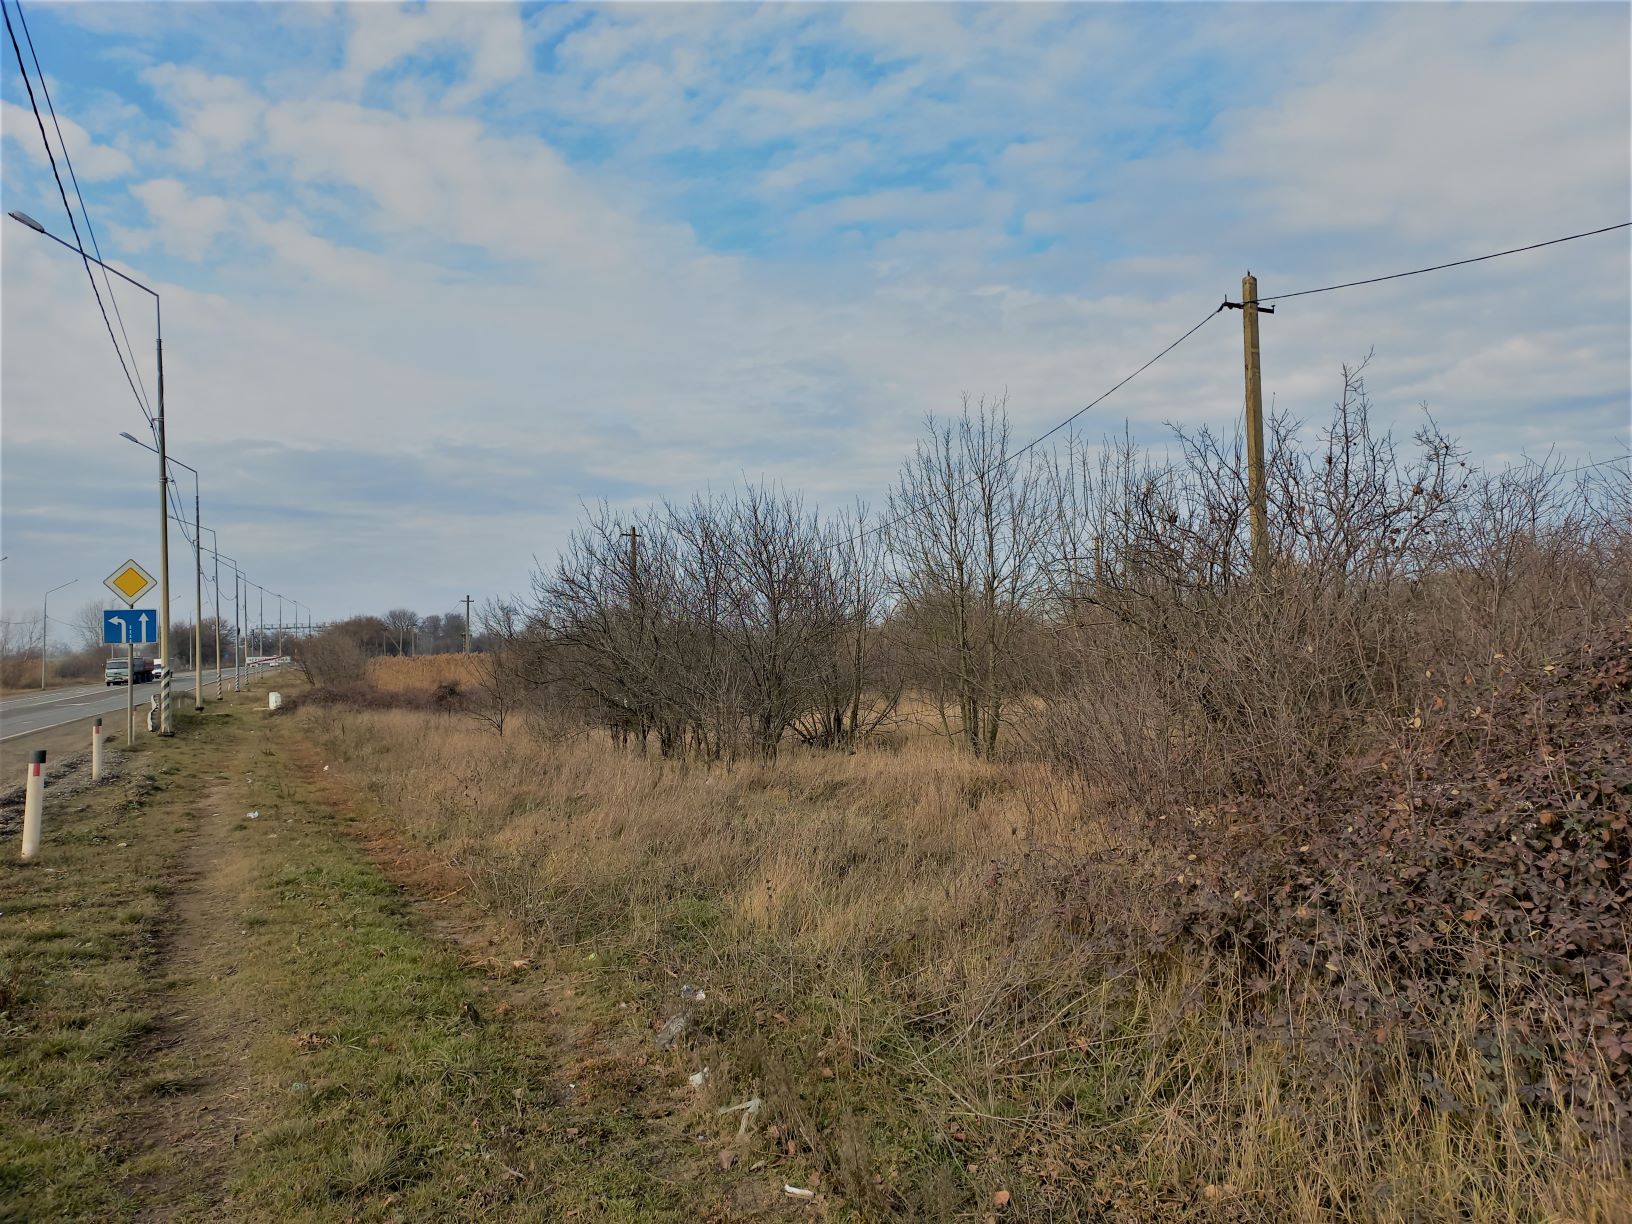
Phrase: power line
(1455, 263)
(68, 160)
(1580, 467)
(74, 225)
(1035, 442)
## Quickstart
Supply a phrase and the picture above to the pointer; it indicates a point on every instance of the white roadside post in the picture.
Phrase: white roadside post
(96, 751)
(33, 801)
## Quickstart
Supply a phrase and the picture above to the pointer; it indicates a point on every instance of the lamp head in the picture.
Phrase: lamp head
(28, 221)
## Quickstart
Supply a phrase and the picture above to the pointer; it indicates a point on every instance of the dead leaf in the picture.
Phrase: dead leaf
(726, 1158)
(1000, 1198)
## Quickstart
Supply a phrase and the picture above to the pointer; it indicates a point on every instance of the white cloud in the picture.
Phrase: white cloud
(493, 39)
(217, 115)
(93, 162)
(1442, 120)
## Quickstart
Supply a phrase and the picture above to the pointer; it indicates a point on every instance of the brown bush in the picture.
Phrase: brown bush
(1489, 859)
(330, 658)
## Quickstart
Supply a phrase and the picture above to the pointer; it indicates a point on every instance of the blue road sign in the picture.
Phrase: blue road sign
(138, 626)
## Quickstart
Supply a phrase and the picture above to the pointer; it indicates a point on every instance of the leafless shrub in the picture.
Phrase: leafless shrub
(966, 532)
(19, 653)
(1184, 677)
(330, 658)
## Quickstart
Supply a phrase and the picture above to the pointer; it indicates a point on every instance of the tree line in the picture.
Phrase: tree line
(1106, 588)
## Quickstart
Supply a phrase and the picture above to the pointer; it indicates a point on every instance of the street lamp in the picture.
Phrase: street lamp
(198, 584)
(215, 551)
(240, 593)
(166, 722)
(45, 624)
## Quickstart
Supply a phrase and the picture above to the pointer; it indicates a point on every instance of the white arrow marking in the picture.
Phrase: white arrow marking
(124, 628)
(143, 619)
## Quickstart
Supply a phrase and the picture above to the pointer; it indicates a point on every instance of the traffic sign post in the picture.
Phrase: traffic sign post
(130, 627)
(130, 582)
(133, 626)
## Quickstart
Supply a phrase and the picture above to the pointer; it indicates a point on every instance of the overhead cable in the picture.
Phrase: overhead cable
(73, 224)
(1455, 263)
(1035, 442)
(67, 158)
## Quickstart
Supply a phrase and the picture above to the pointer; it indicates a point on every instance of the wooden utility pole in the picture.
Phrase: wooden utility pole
(1257, 486)
(467, 624)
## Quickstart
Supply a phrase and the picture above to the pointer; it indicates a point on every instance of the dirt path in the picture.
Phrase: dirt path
(295, 1016)
(198, 1047)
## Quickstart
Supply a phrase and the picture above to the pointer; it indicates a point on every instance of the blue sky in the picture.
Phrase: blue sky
(434, 275)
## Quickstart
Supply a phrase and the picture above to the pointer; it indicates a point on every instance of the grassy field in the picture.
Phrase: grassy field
(210, 1015)
(890, 966)
(427, 978)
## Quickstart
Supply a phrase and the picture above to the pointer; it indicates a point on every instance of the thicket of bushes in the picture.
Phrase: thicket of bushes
(1109, 588)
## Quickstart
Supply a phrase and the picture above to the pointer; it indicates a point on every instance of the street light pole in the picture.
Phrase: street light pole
(198, 604)
(198, 575)
(45, 624)
(166, 723)
(215, 552)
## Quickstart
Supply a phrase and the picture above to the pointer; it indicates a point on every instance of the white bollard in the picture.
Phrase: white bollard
(96, 751)
(33, 801)
(274, 701)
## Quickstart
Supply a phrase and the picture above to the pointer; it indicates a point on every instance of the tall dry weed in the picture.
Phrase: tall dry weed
(900, 959)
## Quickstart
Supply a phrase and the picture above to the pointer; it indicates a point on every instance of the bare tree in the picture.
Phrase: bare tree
(87, 623)
(402, 622)
(966, 541)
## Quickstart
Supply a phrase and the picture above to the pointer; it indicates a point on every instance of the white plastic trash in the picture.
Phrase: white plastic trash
(274, 701)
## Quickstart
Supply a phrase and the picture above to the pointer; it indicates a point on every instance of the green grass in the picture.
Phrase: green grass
(355, 1067)
(76, 999)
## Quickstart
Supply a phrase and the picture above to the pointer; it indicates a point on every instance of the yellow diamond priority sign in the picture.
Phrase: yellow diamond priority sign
(130, 582)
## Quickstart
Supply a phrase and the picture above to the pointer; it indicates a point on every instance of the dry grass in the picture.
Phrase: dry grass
(421, 673)
(888, 964)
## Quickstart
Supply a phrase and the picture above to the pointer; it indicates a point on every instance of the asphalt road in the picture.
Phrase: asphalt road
(20, 716)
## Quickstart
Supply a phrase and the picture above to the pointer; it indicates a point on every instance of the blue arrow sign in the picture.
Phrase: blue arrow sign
(138, 626)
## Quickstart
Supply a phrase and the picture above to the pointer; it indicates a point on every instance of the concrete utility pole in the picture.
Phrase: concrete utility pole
(467, 624)
(634, 560)
(215, 551)
(198, 603)
(1257, 482)
(167, 724)
(198, 579)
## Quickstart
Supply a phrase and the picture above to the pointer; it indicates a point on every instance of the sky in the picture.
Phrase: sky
(435, 277)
